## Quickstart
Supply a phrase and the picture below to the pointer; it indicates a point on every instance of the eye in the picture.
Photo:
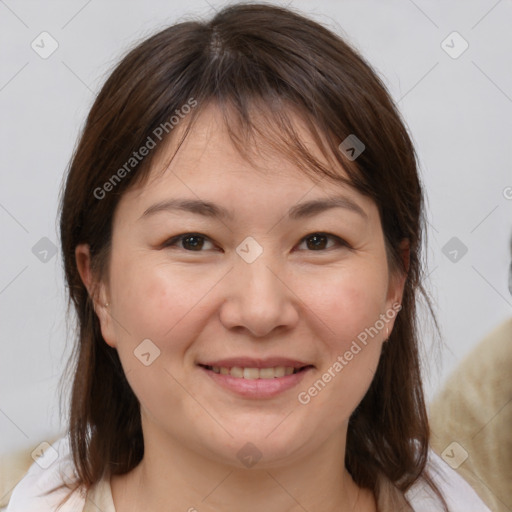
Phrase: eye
(318, 241)
(194, 241)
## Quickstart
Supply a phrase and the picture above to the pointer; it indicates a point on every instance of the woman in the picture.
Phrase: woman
(241, 230)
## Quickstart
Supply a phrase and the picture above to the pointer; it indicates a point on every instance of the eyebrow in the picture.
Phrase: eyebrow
(212, 210)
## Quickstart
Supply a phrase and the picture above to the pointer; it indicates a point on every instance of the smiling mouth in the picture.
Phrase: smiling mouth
(256, 373)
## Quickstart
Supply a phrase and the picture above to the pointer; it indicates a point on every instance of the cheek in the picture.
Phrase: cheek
(355, 317)
(156, 302)
(152, 298)
(350, 304)
(350, 307)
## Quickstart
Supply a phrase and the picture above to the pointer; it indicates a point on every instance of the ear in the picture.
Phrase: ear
(98, 292)
(397, 280)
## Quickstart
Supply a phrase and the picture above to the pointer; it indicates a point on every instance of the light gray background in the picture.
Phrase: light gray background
(459, 112)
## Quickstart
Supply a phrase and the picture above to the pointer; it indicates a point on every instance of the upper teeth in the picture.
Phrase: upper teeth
(255, 373)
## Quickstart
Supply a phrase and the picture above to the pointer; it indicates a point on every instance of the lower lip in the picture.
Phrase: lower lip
(257, 388)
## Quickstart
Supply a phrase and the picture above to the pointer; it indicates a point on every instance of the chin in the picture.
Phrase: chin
(261, 448)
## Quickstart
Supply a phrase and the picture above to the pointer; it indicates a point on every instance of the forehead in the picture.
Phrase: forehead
(209, 166)
(261, 151)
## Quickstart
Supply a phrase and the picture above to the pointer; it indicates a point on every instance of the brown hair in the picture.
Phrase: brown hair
(247, 56)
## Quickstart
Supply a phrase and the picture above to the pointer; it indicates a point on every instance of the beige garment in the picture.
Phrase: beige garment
(13, 467)
(473, 415)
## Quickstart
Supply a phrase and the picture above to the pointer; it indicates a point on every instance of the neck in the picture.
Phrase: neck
(173, 477)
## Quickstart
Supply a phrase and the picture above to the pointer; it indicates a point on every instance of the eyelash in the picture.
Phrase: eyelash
(171, 242)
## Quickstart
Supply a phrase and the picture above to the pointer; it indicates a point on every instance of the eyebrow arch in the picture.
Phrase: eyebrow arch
(212, 210)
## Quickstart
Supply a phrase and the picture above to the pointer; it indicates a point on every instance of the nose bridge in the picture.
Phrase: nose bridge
(259, 280)
(257, 298)
(253, 264)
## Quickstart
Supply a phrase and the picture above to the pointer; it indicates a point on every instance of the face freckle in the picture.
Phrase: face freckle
(283, 300)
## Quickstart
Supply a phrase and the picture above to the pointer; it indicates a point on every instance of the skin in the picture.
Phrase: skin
(293, 301)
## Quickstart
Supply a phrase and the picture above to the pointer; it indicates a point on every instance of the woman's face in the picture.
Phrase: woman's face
(212, 306)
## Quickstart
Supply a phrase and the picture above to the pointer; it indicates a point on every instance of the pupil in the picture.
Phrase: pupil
(195, 245)
(317, 238)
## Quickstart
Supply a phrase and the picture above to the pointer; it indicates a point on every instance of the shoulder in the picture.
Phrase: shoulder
(52, 468)
(474, 401)
(459, 495)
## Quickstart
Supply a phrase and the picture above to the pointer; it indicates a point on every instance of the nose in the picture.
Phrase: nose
(258, 298)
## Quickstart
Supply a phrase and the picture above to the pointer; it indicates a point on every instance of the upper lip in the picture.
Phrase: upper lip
(249, 362)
